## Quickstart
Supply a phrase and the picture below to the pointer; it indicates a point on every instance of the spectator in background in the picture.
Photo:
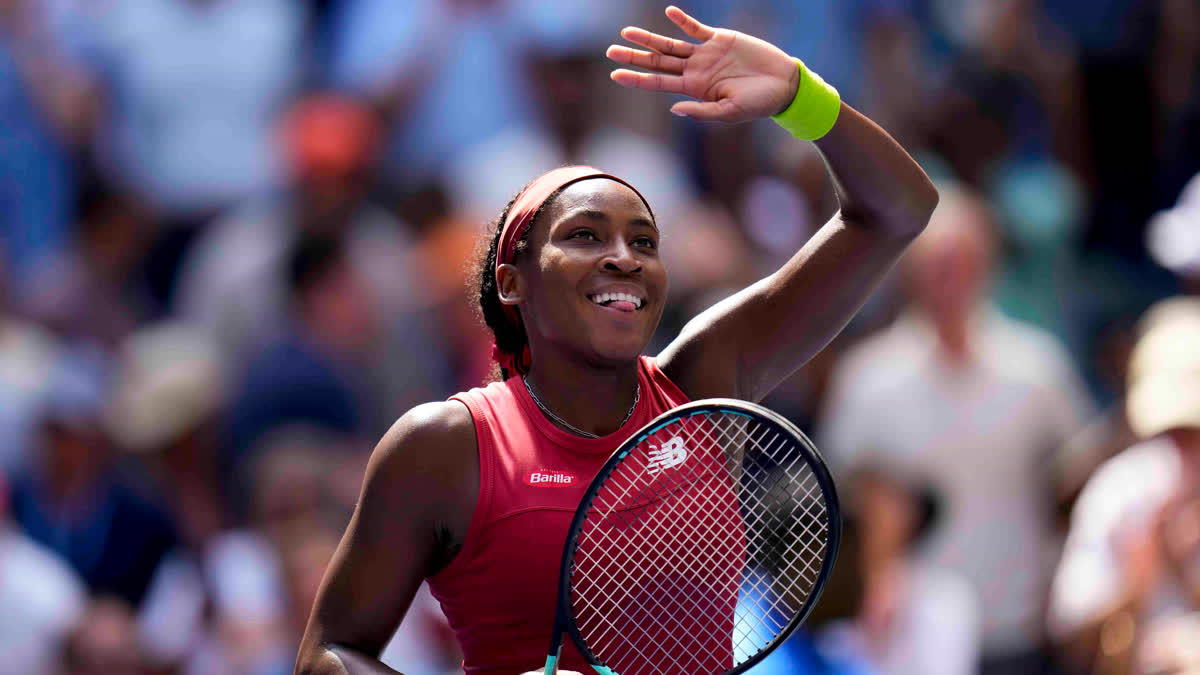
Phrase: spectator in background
(571, 124)
(234, 283)
(314, 373)
(420, 61)
(190, 91)
(93, 291)
(41, 599)
(1126, 598)
(914, 617)
(45, 114)
(27, 357)
(974, 403)
(73, 500)
(1173, 241)
(166, 407)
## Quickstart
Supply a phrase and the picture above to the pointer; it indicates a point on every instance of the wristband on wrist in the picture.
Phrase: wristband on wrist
(814, 109)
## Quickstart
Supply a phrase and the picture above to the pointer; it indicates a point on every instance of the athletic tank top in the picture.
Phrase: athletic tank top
(499, 592)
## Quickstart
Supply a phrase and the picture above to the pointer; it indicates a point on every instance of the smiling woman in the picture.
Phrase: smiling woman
(594, 235)
(572, 286)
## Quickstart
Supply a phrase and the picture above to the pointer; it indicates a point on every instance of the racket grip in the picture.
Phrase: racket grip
(552, 663)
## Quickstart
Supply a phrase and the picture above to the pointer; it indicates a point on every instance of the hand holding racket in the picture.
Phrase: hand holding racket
(735, 77)
(701, 544)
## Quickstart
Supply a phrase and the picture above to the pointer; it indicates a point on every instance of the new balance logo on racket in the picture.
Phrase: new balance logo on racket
(667, 456)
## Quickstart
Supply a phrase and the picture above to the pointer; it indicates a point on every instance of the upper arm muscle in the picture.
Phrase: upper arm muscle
(418, 480)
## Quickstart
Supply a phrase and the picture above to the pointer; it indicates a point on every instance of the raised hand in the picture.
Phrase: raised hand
(735, 77)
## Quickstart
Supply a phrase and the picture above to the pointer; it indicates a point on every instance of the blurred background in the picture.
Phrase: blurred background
(236, 240)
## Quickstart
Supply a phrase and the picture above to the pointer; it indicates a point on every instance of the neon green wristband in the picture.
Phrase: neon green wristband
(814, 110)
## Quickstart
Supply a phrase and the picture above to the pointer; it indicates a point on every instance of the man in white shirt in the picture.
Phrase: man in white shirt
(1131, 568)
(972, 402)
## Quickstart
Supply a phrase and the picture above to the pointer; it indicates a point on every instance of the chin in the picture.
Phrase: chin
(619, 351)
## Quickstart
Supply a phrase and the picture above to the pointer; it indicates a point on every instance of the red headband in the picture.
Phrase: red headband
(520, 217)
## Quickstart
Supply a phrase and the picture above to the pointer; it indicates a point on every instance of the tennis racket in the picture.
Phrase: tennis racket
(701, 544)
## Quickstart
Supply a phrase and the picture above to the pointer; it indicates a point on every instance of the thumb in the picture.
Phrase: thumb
(706, 111)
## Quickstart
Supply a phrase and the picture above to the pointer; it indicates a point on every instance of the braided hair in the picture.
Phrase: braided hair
(509, 338)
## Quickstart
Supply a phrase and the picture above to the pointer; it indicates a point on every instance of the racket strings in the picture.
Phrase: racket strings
(712, 561)
(654, 563)
(653, 538)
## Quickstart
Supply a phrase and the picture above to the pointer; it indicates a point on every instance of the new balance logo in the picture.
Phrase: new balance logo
(547, 478)
(669, 455)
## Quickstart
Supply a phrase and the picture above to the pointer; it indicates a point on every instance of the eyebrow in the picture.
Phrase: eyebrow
(592, 214)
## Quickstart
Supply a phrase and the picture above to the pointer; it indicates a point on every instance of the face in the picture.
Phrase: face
(592, 282)
(949, 264)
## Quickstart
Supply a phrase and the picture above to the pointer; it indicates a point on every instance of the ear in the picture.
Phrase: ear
(510, 284)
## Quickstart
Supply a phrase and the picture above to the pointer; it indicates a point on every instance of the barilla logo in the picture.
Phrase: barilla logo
(547, 478)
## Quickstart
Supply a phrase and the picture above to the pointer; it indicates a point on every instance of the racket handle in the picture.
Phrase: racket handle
(552, 662)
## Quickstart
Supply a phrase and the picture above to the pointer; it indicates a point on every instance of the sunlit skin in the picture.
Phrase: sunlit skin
(422, 483)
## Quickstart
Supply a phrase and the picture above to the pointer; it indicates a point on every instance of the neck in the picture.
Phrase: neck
(591, 399)
(953, 335)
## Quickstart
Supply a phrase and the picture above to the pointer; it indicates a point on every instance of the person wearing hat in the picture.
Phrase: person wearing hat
(1126, 594)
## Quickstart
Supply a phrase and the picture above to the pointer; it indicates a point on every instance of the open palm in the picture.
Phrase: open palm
(734, 77)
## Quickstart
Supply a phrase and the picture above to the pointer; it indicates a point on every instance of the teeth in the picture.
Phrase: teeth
(601, 298)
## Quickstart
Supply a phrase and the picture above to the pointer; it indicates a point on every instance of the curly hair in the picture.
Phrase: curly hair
(510, 338)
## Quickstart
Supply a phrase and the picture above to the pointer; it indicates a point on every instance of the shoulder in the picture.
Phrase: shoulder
(877, 363)
(1148, 464)
(425, 435)
(1028, 351)
(425, 470)
(1133, 481)
(662, 384)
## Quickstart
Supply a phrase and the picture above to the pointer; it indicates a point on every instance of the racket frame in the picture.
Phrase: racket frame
(564, 618)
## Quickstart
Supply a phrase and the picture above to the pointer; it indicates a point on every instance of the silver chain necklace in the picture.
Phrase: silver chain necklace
(637, 395)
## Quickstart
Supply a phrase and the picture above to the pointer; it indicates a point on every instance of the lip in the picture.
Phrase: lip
(630, 289)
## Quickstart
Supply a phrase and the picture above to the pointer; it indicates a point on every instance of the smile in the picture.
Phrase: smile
(624, 301)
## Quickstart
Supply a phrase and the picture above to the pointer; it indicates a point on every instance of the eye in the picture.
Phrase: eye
(583, 233)
(645, 242)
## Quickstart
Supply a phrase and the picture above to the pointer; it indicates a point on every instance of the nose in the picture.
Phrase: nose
(620, 258)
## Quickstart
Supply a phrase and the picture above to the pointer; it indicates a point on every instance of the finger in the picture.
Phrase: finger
(652, 81)
(706, 111)
(659, 43)
(649, 60)
(688, 24)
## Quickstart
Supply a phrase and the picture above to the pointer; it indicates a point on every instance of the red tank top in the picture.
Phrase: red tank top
(499, 592)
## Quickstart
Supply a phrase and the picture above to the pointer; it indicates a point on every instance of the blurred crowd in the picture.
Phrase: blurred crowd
(237, 238)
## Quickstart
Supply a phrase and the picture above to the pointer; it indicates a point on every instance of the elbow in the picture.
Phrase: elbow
(922, 205)
(902, 218)
(909, 217)
(319, 661)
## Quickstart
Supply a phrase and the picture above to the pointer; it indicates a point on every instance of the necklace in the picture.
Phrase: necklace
(637, 395)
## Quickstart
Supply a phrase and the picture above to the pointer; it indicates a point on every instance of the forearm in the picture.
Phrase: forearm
(339, 660)
(878, 184)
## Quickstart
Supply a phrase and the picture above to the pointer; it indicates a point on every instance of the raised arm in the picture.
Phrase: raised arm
(417, 499)
(750, 342)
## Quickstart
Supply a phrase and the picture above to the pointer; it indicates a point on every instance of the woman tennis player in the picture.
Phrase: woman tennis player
(476, 494)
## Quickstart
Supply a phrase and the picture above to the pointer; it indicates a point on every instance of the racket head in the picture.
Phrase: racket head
(641, 492)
